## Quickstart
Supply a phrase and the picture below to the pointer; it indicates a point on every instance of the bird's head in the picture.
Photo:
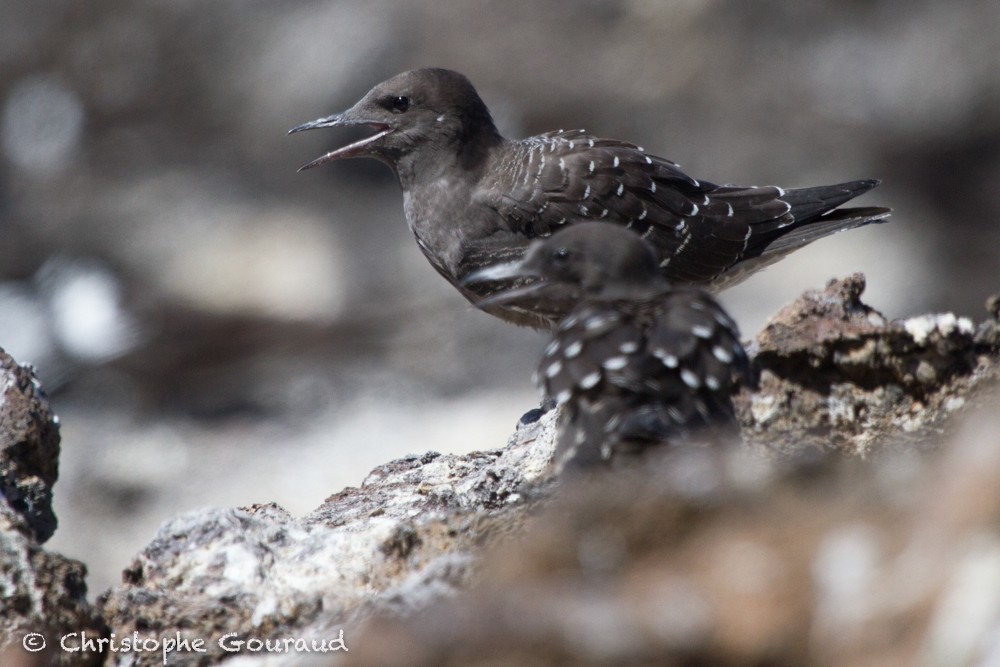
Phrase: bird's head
(595, 260)
(424, 113)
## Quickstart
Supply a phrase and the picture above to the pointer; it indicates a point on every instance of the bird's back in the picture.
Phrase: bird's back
(636, 375)
(703, 233)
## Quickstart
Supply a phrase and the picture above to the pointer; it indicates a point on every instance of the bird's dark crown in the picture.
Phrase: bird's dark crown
(421, 116)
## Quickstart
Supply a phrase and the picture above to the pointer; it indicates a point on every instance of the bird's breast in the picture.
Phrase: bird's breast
(443, 218)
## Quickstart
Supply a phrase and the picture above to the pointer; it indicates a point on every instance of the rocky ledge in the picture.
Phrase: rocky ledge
(41, 592)
(857, 526)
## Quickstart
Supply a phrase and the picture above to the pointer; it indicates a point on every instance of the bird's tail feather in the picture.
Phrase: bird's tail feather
(769, 248)
(807, 203)
(835, 221)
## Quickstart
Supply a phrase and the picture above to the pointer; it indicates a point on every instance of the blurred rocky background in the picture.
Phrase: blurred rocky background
(216, 329)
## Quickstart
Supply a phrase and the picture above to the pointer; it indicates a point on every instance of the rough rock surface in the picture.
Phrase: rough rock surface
(398, 542)
(41, 592)
(835, 374)
(29, 449)
(696, 557)
(727, 558)
(891, 562)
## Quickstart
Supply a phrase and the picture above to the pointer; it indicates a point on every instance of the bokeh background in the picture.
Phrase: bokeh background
(217, 329)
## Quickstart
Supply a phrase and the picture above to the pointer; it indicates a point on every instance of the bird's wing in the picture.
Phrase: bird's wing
(698, 229)
(628, 387)
(693, 333)
(697, 346)
(691, 346)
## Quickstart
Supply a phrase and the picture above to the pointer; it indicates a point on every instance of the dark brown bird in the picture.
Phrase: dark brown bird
(474, 199)
(635, 362)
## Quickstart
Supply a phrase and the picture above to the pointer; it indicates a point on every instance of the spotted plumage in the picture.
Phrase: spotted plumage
(635, 362)
(474, 199)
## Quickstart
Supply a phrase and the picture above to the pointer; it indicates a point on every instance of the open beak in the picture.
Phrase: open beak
(358, 148)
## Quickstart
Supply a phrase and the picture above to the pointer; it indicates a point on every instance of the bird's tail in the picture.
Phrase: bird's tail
(809, 203)
(768, 247)
(835, 221)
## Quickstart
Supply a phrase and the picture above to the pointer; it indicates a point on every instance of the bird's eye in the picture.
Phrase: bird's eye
(560, 256)
(399, 104)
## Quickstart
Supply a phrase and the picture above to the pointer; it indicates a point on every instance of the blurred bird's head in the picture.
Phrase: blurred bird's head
(594, 260)
(421, 119)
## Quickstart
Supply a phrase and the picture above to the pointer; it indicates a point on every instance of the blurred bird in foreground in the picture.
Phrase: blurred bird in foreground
(474, 199)
(635, 361)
